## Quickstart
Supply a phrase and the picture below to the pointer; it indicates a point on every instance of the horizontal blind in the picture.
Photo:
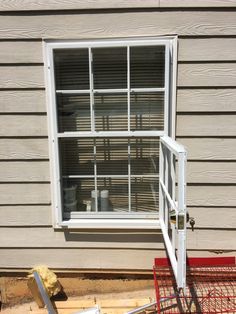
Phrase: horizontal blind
(127, 168)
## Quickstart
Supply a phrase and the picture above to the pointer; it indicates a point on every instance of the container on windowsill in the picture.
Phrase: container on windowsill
(104, 201)
(70, 194)
(70, 207)
(95, 195)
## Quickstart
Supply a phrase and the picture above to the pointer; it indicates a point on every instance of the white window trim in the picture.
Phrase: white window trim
(137, 221)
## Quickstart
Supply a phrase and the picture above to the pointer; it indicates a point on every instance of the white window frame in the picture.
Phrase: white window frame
(174, 232)
(142, 221)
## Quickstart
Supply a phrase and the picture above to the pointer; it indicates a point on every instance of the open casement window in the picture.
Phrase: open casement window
(110, 102)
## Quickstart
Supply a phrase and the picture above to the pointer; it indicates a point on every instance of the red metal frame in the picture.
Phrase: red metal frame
(211, 286)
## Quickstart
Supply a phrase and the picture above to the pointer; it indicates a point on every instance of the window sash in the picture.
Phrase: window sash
(50, 46)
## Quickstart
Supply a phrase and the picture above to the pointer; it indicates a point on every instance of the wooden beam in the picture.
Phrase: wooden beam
(209, 148)
(22, 77)
(33, 193)
(197, 3)
(206, 125)
(27, 51)
(205, 49)
(110, 259)
(185, 23)
(32, 285)
(35, 5)
(20, 125)
(211, 172)
(3, 294)
(22, 101)
(29, 238)
(207, 74)
(27, 148)
(206, 100)
(25, 171)
(32, 215)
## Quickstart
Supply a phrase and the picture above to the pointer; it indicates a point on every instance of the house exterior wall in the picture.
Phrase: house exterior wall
(205, 124)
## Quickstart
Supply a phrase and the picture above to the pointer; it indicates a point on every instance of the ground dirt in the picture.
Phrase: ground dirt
(20, 300)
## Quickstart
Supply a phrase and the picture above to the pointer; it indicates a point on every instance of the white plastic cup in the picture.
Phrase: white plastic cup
(104, 200)
(94, 195)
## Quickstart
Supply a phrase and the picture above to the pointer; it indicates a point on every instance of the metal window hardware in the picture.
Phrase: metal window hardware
(192, 223)
(172, 216)
(181, 221)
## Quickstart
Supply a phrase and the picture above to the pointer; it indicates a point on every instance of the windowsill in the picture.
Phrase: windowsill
(109, 224)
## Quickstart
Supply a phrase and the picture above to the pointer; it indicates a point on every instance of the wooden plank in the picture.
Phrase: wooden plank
(35, 5)
(211, 239)
(21, 77)
(209, 148)
(205, 49)
(24, 171)
(211, 172)
(11, 216)
(27, 52)
(209, 74)
(106, 306)
(3, 293)
(23, 125)
(11, 149)
(79, 258)
(104, 303)
(197, 3)
(68, 311)
(118, 25)
(73, 259)
(25, 194)
(206, 100)
(213, 217)
(32, 238)
(198, 148)
(37, 215)
(213, 74)
(47, 237)
(206, 125)
(211, 195)
(22, 101)
(32, 285)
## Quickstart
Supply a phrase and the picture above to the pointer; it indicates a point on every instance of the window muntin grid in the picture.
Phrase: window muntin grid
(105, 132)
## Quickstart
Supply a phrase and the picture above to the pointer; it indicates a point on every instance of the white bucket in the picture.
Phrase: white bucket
(70, 194)
(70, 207)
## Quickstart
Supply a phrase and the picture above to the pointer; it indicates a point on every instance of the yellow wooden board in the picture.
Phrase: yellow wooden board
(106, 306)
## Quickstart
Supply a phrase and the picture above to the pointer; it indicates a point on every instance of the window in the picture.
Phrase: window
(109, 103)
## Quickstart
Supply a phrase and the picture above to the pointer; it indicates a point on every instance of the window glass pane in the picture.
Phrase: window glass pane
(144, 195)
(71, 68)
(73, 112)
(76, 195)
(113, 194)
(144, 155)
(147, 111)
(147, 66)
(110, 68)
(111, 112)
(112, 156)
(76, 156)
